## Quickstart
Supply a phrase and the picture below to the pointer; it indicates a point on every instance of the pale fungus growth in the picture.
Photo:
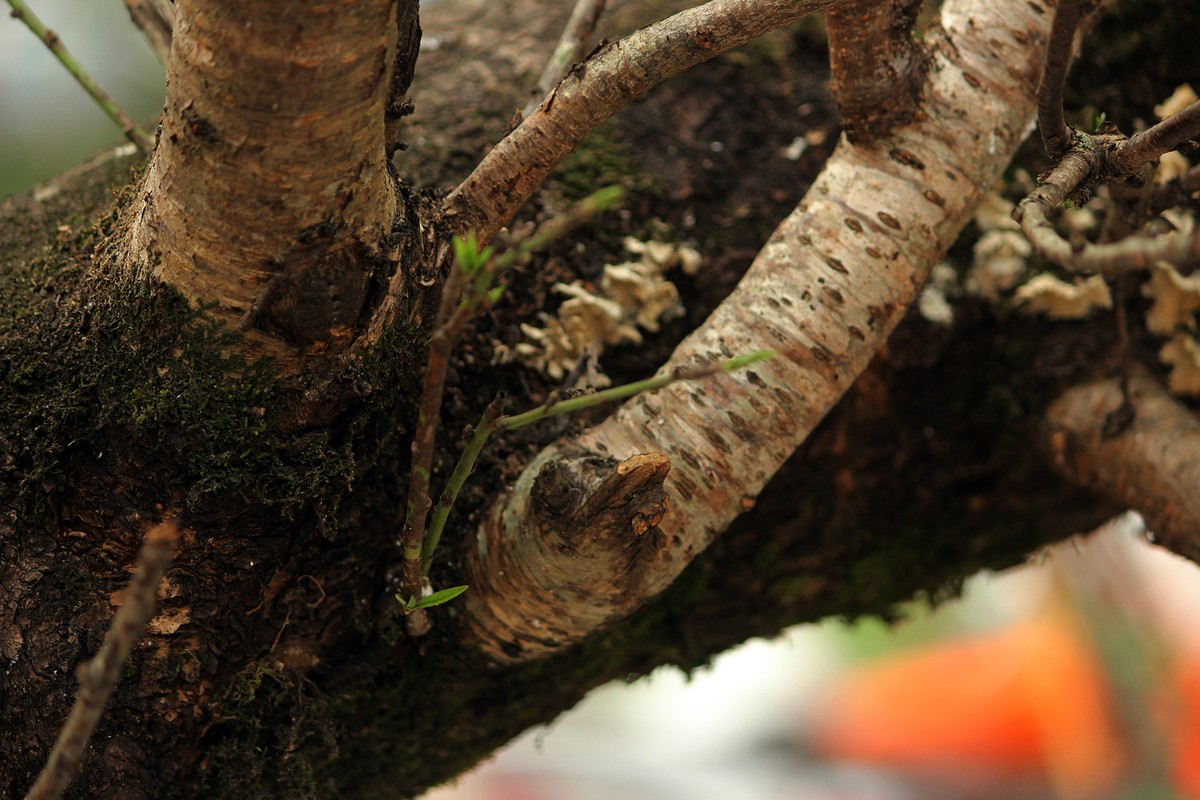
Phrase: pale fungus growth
(1182, 354)
(632, 297)
(1046, 294)
(1175, 297)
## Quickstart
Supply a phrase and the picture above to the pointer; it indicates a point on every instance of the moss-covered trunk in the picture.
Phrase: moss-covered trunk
(277, 665)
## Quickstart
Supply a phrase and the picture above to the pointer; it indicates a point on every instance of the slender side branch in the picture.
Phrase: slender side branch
(455, 311)
(1056, 135)
(1148, 145)
(1152, 464)
(99, 677)
(876, 68)
(22, 12)
(1036, 211)
(599, 87)
(156, 20)
(571, 48)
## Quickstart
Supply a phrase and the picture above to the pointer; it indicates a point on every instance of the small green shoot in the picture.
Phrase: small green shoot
(492, 421)
(435, 599)
(468, 292)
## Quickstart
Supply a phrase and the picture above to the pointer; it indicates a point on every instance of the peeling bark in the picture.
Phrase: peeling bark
(825, 292)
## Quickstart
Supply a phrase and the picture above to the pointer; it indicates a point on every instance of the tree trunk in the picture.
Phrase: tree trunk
(278, 665)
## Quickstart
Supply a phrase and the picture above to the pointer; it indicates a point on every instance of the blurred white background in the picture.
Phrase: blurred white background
(47, 122)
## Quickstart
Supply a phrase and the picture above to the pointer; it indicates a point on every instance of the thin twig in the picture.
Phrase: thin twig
(492, 421)
(571, 48)
(103, 99)
(463, 297)
(614, 76)
(1036, 211)
(99, 677)
(1056, 135)
(1153, 142)
(156, 20)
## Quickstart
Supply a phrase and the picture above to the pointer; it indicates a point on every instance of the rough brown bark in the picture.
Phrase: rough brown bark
(877, 67)
(268, 195)
(1141, 448)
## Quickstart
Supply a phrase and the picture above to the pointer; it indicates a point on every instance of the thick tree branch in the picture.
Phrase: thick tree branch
(600, 87)
(825, 292)
(279, 110)
(99, 677)
(1142, 450)
(876, 68)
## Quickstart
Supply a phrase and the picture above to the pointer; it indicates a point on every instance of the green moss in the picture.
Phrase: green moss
(272, 728)
(602, 160)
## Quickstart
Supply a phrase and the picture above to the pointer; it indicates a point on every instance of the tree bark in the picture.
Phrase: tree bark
(277, 664)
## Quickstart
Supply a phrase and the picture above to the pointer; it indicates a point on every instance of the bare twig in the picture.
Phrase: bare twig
(608, 81)
(103, 99)
(408, 47)
(463, 297)
(1036, 211)
(571, 48)
(1148, 145)
(156, 20)
(99, 677)
(876, 67)
(1056, 136)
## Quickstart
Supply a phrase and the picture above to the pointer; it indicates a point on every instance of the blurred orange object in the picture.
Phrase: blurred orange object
(1029, 702)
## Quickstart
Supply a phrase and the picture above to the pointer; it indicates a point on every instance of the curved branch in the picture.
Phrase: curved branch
(1056, 135)
(593, 91)
(1036, 211)
(1152, 464)
(825, 292)
(877, 70)
(1157, 140)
